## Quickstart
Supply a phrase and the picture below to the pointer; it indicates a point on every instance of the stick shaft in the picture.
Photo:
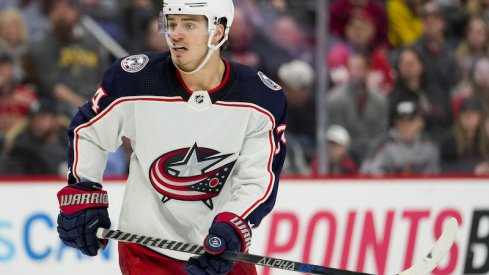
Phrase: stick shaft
(425, 266)
(234, 256)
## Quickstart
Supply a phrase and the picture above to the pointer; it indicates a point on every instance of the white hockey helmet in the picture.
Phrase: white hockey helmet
(213, 10)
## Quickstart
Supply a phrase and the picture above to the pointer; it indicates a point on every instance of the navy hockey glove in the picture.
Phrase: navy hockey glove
(83, 209)
(227, 232)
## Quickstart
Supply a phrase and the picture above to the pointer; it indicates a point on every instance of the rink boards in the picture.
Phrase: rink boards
(373, 225)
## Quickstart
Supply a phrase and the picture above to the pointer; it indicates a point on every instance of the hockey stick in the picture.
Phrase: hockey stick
(430, 262)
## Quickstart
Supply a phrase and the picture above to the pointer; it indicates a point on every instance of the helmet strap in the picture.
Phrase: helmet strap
(210, 50)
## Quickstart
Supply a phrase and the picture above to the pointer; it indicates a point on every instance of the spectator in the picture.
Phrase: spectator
(15, 100)
(67, 62)
(297, 80)
(465, 148)
(295, 162)
(287, 34)
(358, 108)
(107, 14)
(40, 149)
(474, 46)
(480, 82)
(249, 46)
(340, 12)
(13, 32)
(339, 160)
(13, 38)
(437, 55)
(241, 38)
(35, 17)
(478, 8)
(404, 23)
(360, 33)
(302, 11)
(413, 84)
(404, 151)
(337, 62)
(252, 12)
(456, 17)
(137, 15)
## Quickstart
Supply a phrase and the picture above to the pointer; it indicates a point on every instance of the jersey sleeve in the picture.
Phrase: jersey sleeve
(97, 129)
(256, 179)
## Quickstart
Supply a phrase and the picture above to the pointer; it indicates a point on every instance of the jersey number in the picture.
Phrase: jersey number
(99, 94)
(280, 132)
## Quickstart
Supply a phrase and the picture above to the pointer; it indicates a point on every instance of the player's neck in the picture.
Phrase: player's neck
(207, 78)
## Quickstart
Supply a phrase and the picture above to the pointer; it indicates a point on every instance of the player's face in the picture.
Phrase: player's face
(189, 36)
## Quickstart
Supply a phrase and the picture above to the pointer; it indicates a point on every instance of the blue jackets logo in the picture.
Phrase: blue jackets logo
(190, 174)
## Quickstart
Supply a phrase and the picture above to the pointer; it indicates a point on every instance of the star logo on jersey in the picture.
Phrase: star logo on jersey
(191, 174)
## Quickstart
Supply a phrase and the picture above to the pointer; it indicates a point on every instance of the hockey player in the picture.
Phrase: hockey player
(208, 147)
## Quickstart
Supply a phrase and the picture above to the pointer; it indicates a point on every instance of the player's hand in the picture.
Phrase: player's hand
(228, 232)
(83, 209)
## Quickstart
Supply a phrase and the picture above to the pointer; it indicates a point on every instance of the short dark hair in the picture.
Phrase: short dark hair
(223, 21)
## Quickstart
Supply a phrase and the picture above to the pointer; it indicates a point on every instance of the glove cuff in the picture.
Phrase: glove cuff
(240, 226)
(81, 196)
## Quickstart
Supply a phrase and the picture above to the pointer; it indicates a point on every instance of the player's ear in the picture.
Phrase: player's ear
(218, 35)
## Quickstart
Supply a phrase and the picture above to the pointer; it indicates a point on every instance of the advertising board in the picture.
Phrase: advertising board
(379, 226)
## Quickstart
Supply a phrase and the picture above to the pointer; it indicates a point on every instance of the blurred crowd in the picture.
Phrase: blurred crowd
(408, 80)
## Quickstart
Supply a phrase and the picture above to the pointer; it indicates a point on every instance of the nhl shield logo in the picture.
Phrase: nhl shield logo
(134, 63)
(191, 174)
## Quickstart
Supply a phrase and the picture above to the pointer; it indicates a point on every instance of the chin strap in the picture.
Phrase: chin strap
(210, 52)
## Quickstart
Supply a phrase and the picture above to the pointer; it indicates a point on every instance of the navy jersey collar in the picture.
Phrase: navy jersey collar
(179, 87)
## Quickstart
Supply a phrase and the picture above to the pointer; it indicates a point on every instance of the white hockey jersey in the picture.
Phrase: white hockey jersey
(196, 154)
